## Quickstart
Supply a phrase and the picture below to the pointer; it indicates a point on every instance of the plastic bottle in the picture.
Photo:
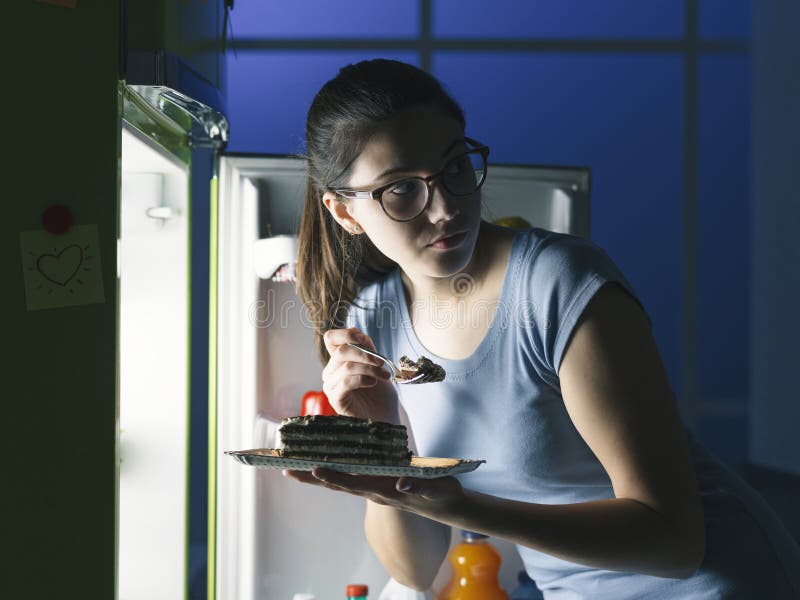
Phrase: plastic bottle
(356, 591)
(475, 563)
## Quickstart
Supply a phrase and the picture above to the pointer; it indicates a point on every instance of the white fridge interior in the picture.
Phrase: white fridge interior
(276, 537)
(153, 271)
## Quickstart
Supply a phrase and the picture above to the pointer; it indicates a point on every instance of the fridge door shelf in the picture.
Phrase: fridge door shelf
(270, 254)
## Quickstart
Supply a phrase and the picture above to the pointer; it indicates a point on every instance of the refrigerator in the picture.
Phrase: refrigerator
(268, 537)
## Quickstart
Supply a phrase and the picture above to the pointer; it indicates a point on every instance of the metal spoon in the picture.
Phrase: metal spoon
(397, 373)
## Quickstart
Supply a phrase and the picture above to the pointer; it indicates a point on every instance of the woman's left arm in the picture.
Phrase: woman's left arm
(617, 394)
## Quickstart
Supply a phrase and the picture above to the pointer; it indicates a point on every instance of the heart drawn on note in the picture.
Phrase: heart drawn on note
(62, 267)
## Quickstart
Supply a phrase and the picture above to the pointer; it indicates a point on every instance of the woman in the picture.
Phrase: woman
(553, 375)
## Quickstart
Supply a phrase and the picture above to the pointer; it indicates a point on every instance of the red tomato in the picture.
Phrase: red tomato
(316, 403)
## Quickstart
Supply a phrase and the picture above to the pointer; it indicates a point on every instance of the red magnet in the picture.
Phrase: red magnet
(57, 219)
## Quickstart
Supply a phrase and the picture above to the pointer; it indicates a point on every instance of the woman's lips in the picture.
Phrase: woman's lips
(449, 242)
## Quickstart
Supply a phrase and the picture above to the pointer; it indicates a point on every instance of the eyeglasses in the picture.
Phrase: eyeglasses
(407, 198)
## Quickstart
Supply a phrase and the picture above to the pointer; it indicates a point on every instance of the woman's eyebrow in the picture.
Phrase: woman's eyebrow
(453, 144)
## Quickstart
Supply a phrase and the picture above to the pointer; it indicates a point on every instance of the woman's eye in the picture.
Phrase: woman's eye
(402, 188)
(454, 167)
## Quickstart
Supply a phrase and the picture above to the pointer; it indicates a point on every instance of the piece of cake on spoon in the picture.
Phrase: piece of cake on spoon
(429, 371)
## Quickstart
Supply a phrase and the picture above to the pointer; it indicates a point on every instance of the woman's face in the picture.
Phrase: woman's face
(440, 241)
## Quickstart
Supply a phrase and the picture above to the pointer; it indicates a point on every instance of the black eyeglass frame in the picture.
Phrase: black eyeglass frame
(377, 193)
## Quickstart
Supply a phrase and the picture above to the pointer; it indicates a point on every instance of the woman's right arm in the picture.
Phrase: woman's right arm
(409, 546)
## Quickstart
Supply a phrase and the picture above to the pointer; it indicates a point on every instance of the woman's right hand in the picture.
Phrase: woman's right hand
(357, 384)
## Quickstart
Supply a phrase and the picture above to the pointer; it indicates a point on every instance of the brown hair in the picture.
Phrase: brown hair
(345, 113)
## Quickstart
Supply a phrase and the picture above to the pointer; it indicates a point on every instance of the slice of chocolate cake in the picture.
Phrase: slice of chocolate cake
(345, 439)
(427, 370)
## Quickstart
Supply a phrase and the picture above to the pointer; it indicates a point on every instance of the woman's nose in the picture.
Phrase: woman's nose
(442, 206)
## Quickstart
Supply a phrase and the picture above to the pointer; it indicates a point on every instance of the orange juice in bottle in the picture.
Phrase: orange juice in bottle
(475, 563)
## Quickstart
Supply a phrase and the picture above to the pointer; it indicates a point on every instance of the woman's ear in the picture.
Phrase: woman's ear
(341, 212)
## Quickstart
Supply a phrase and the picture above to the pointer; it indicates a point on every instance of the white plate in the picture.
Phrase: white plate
(421, 466)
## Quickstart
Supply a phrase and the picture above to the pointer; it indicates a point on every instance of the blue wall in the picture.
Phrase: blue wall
(656, 101)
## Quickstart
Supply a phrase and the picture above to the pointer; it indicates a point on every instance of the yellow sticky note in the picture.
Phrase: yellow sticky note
(61, 270)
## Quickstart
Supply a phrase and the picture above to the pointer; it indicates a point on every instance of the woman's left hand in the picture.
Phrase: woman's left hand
(432, 498)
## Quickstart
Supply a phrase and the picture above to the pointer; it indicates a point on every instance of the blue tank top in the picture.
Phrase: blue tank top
(503, 404)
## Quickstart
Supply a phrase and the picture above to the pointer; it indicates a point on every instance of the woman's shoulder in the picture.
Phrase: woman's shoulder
(554, 252)
(560, 267)
(519, 253)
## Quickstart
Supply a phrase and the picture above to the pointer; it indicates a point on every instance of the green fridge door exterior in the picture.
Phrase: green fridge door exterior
(63, 113)
(60, 102)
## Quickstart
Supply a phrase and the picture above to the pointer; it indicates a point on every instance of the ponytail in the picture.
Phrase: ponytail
(331, 265)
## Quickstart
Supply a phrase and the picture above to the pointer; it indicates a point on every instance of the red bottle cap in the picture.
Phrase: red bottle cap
(316, 403)
(356, 589)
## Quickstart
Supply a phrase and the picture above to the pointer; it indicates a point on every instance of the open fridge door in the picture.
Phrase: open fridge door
(276, 537)
(164, 135)
(153, 332)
